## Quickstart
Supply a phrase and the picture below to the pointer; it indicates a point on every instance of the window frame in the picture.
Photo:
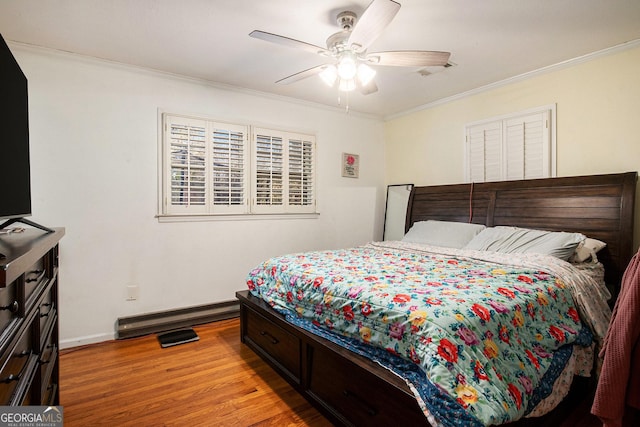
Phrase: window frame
(169, 212)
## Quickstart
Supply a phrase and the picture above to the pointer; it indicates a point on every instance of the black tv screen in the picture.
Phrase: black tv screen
(15, 181)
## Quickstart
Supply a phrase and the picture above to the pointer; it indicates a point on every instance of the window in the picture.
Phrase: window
(283, 172)
(519, 146)
(212, 168)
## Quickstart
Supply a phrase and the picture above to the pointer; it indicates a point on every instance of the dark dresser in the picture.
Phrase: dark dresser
(29, 370)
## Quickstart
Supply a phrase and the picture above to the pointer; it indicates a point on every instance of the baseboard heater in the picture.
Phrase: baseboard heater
(161, 321)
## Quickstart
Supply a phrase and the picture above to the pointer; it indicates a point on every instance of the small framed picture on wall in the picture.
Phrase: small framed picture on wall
(350, 165)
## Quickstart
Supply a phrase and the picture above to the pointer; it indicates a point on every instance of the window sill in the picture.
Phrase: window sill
(235, 217)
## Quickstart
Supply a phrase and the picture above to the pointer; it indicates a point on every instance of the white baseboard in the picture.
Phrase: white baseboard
(89, 339)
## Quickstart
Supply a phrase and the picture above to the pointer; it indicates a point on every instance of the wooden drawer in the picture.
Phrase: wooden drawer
(34, 276)
(9, 306)
(356, 396)
(273, 342)
(18, 365)
(49, 397)
(47, 310)
(48, 364)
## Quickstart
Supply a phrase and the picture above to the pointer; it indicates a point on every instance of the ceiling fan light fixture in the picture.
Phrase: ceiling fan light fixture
(347, 66)
(329, 75)
(347, 85)
(365, 74)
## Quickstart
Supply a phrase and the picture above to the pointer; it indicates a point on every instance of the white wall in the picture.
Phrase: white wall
(94, 156)
(597, 104)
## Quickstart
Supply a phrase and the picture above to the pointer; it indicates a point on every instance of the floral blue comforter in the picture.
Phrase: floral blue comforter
(484, 334)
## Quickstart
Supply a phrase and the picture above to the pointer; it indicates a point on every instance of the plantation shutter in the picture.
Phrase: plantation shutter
(283, 172)
(526, 146)
(484, 144)
(301, 174)
(269, 171)
(187, 156)
(515, 147)
(216, 168)
(230, 168)
(207, 167)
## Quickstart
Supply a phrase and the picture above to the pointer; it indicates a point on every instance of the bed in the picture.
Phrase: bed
(430, 366)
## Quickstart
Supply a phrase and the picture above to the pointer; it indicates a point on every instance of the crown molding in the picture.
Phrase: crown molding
(525, 76)
(37, 49)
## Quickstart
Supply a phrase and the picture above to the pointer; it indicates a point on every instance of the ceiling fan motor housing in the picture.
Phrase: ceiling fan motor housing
(337, 42)
(346, 20)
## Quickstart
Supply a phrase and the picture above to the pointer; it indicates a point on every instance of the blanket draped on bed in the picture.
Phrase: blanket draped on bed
(619, 382)
(487, 332)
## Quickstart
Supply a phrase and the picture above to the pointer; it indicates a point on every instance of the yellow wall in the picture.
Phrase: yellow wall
(598, 123)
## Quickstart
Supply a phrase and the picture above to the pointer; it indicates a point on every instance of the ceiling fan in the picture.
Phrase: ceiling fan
(349, 66)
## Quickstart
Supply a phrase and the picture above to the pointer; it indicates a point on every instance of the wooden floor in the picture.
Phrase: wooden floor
(216, 381)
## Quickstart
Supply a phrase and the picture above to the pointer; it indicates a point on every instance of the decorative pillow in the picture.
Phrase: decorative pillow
(588, 248)
(523, 240)
(447, 234)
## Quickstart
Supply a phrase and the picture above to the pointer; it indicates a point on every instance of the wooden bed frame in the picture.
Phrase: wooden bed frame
(352, 390)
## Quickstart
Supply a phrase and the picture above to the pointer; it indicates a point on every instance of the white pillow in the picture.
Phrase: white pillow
(523, 240)
(588, 248)
(447, 234)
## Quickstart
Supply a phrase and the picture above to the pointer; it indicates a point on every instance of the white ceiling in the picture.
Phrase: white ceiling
(489, 40)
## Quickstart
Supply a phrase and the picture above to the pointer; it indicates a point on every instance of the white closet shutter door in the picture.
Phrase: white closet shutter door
(229, 168)
(186, 153)
(519, 146)
(475, 154)
(484, 152)
(493, 153)
(268, 171)
(301, 165)
(527, 141)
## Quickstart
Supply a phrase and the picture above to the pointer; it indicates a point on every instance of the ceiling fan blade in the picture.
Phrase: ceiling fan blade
(301, 75)
(409, 58)
(286, 41)
(373, 21)
(369, 88)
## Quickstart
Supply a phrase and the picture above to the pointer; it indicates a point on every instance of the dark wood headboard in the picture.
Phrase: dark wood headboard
(598, 206)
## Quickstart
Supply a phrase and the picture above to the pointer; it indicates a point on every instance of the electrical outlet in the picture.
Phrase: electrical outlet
(133, 292)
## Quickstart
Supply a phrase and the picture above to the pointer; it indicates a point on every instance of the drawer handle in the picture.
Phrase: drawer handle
(370, 410)
(40, 275)
(13, 307)
(274, 340)
(48, 304)
(10, 378)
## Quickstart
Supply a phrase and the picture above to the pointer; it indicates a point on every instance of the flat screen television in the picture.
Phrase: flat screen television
(15, 174)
